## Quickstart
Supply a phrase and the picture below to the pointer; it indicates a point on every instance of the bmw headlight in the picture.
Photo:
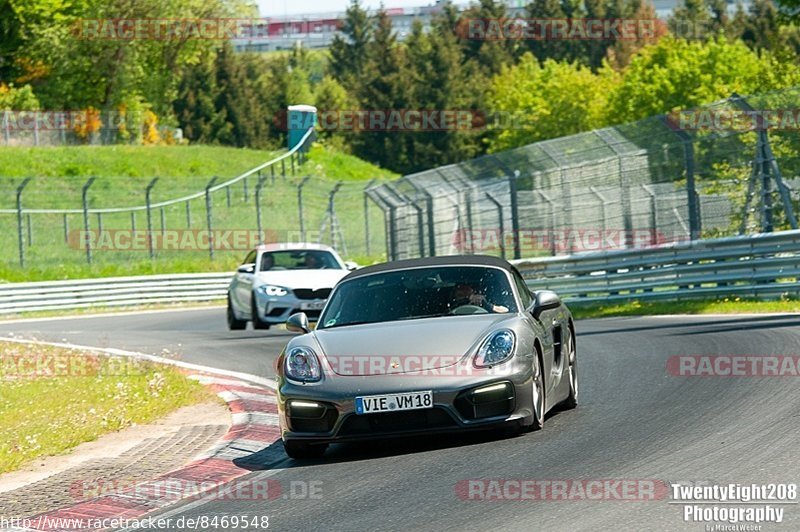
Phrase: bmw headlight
(496, 349)
(272, 290)
(302, 364)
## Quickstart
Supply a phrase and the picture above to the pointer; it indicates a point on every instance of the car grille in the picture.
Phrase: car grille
(434, 418)
(310, 293)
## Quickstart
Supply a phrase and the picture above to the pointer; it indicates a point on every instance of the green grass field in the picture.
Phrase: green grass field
(53, 399)
(720, 306)
(123, 172)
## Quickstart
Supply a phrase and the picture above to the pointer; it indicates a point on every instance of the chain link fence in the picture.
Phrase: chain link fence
(720, 170)
(729, 168)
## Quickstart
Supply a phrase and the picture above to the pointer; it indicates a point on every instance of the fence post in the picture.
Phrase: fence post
(6, 132)
(259, 186)
(20, 238)
(653, 211)
(500, 224)
(188, 214)
(429, 208)
(366, 215)
(209, 220)
(133, 222)
(66, 228)
(603, 202)
(30, 229)
(147, 192)
(283, 167)
(300, 207)
(292, 158)
(85, 200)
(512, 192)
(163, 222)
(99, 222)
(244, 187)
(552, 222)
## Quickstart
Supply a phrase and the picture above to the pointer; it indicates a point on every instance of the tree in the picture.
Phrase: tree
(541, 102)
(680, 74)
(349, 48)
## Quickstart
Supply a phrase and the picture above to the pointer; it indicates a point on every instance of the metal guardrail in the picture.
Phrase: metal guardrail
(753, 266)
(757, 266)
(112, 292)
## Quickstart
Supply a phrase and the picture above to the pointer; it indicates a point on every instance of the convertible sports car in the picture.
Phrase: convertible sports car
(426, 345)
(276, 280)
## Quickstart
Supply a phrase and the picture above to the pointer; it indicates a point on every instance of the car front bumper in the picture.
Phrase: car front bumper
(277, 309)
(454, 405)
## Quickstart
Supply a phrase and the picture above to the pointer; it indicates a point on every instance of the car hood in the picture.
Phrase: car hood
(404, 346)
(301, 278)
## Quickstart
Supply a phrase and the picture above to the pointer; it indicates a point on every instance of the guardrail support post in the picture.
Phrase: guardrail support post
(147, 192)
(85, 201)
(20, 229)
(300, 206)
(209, 218)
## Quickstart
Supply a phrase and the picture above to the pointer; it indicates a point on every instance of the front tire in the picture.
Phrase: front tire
(258, 323)
(300, 450)
(234, 323)
(538, 397)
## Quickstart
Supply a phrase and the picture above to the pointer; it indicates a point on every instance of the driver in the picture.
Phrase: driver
(464, 294)
(312, 262)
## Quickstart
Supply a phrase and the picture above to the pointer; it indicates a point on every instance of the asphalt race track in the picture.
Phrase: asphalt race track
(636, 421)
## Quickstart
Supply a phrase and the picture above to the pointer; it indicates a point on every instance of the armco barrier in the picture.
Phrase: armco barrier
(752, 266)
(114, 291)
(756, 266)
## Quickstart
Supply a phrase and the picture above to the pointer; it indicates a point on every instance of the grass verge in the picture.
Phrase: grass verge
(52, 244)
(53, 399)
(721, 306)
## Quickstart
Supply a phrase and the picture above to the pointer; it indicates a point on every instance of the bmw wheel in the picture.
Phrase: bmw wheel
(234, 324)
(258, 323)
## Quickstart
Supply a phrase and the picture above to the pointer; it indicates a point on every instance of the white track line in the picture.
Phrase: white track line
(255, 379)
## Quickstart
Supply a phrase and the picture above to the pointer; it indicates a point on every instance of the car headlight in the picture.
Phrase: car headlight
(496, 349)
(272, 290)
(303, 365)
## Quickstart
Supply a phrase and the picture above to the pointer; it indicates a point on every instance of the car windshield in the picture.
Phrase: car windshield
(419, 293)
(299, 260)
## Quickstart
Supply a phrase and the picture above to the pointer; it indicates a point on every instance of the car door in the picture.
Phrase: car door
(243, 282)
(551, 336)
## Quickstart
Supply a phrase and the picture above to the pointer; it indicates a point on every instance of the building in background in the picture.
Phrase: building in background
(317, 30)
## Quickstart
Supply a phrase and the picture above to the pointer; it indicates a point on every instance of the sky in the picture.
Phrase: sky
(272, 8)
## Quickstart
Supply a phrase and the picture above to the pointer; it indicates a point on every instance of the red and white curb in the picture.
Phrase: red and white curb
(254, 416)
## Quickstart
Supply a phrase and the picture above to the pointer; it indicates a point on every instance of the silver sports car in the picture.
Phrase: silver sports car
(422, 346)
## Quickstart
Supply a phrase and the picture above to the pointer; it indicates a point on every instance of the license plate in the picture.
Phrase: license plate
(394, 402)
(312, 305)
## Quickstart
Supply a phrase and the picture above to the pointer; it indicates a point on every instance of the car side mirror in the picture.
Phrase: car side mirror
(298, 323)
(350, 265)
(545, 300)
(246, 268)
